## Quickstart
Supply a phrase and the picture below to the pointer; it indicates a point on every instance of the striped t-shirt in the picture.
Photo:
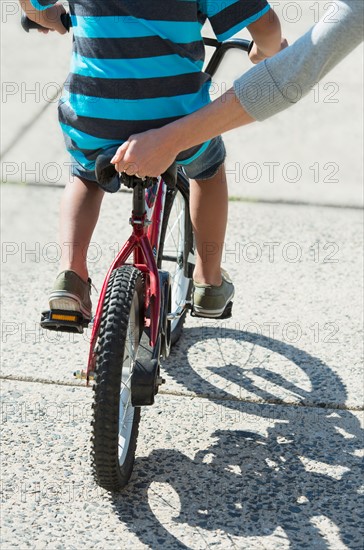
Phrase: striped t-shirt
(137, 65)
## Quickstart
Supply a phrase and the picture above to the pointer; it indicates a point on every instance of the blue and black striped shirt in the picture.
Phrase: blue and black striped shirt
(137, 65)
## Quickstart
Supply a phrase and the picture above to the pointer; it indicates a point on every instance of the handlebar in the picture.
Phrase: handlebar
(221, 48)
(28, 24)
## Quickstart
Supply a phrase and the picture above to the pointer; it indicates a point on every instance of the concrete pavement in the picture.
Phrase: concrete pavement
(256, 439)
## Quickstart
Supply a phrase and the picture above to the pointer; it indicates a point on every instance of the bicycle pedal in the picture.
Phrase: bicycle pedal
(64, 321)
(226, 314)
(82, 375)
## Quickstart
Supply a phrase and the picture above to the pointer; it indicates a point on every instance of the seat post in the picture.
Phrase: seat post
(139, 199)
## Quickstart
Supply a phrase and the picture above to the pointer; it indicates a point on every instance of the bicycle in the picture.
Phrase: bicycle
(142, 304)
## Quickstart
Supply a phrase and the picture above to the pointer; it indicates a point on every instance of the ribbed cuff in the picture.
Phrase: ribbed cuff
(258, 93)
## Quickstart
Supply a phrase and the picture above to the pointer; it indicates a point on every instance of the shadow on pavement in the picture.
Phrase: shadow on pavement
(303, 471)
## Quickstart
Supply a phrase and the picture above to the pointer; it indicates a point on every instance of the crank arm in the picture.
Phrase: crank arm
(179, 311)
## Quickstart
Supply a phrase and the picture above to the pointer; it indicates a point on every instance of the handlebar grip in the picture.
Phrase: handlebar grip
(28, 24)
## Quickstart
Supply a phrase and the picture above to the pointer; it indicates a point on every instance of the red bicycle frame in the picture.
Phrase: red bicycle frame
(143, 243)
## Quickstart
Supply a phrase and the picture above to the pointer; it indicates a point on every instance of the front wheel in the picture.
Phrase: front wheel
(115, 421)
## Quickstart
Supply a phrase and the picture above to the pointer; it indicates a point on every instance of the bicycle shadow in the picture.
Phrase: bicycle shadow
(300, 473)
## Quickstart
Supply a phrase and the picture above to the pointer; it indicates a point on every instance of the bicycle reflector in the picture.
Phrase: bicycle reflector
(66, 321)
(58, 317)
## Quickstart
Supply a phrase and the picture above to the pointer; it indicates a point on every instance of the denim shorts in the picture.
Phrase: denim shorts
(205, 166)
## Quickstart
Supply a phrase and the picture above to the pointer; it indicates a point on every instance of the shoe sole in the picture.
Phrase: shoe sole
(213, 312)
(62, 300)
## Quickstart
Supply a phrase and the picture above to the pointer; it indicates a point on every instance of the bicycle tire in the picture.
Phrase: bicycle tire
(113, 442)
(177, 261)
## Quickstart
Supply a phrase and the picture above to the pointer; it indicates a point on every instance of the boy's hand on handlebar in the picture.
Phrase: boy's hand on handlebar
(147, 154)
(50, 19)
(256, 56)
(284, 44)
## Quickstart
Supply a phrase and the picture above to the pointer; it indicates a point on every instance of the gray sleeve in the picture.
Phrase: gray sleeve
(280, 81)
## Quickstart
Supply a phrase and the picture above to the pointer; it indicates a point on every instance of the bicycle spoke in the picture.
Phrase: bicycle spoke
(126, 409)
(126, 381)
(170, 230)
(173, 226)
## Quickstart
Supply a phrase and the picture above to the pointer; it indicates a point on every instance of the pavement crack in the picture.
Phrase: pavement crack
(33, 380)
(231, 198)
(192, 395)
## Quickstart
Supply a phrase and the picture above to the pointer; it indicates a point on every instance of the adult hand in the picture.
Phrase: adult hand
(147, 154)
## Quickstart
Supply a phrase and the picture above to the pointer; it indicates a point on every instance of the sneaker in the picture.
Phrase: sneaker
(71, 293)
(211, 301)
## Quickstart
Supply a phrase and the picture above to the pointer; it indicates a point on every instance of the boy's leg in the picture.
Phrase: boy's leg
(209, 209)
(80, 209)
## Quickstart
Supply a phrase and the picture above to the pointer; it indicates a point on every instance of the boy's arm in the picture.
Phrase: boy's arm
(50, 17)
(266, 33)
(290, 75)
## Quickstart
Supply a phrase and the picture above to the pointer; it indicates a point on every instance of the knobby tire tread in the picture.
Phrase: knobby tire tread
(123, 283)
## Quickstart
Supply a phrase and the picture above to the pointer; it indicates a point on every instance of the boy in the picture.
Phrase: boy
(137, 65)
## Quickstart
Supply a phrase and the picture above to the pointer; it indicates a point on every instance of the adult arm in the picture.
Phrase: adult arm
(268, 88)
(278, 82)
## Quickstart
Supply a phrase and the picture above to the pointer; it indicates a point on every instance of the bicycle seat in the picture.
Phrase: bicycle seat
(170, 176)
(109, 179)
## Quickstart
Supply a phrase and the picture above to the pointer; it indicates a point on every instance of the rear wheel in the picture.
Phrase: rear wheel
(115, 421)
(176, 249)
